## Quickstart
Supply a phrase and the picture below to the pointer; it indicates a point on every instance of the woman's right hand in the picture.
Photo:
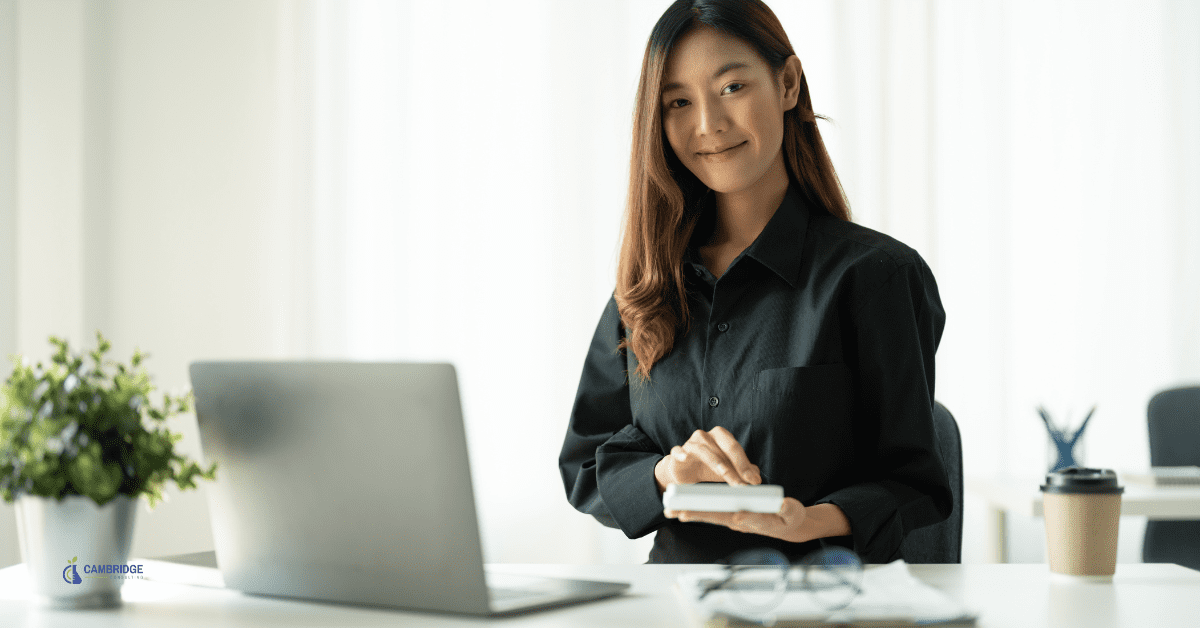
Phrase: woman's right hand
(712, 456)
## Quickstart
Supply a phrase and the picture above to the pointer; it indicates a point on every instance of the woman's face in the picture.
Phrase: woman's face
(722, 109)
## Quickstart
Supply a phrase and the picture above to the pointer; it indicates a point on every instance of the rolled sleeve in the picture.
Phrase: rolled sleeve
(606, 462)
(897, 329)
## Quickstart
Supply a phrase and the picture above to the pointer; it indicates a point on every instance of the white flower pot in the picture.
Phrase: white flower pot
(52, 532)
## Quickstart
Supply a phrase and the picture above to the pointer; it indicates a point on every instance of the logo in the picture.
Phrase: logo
(70, 573)
(74, 577)
(108, 572)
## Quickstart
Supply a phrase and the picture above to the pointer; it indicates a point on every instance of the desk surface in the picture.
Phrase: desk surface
(1022, 495)
(1024, 596)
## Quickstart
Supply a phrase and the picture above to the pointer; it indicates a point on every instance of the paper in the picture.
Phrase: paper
(890, 596)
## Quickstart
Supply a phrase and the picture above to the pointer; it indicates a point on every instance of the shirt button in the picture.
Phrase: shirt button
(699, 273)
(713, 401)
(722, 326)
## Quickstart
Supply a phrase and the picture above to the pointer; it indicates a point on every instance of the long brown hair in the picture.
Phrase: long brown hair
(664, 196)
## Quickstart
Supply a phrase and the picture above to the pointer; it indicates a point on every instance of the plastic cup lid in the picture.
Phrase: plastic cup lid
(1082, 480)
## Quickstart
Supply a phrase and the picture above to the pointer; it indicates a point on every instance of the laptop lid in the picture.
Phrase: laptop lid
(342, 481)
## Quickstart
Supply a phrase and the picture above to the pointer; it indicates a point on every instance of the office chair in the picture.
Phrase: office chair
(941, 542)
(1173, 417)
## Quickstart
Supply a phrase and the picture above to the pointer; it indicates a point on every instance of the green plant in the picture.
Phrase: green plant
(89, 428)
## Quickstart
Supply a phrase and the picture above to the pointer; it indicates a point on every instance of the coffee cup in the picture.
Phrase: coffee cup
(1082, 509)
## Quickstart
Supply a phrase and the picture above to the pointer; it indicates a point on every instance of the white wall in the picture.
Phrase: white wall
(8, 224)
(203, 179)
(48, 276)
(1029, 150)
(149, 187)
(482, 189)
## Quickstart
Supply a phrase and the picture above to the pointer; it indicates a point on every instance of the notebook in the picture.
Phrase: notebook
(349, 482)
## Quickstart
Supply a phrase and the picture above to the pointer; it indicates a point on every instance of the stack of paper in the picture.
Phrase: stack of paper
(890, 596)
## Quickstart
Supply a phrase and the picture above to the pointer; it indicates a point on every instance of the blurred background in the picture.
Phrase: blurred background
(384, 180)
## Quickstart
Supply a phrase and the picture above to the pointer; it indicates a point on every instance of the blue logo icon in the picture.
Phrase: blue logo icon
(74, 578)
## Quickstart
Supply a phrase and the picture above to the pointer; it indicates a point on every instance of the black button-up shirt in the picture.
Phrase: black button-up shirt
(816, 350)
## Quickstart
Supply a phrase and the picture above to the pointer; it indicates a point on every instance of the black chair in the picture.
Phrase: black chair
(941, 542)
(1173, 417)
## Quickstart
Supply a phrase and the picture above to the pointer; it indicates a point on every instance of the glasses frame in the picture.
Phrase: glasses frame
(771, 559)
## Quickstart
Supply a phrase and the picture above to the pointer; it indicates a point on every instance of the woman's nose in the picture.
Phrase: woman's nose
(713, 118)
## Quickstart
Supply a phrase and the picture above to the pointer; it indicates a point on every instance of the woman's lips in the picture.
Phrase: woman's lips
(723, 154)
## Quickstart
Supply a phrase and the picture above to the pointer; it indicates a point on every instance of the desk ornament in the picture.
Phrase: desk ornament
(79, 443)
(1064, 441)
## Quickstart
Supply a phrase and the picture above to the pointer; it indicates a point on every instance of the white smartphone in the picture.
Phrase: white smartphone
(721, 497)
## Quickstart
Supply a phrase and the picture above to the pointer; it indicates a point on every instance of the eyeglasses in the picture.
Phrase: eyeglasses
(758, 580)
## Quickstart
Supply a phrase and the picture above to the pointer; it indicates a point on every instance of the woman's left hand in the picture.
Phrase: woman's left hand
(785, 524)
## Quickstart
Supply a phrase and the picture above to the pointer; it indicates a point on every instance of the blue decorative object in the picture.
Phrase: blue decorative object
(1064, 442)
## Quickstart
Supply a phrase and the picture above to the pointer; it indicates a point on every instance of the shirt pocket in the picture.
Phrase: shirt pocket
(805, 432)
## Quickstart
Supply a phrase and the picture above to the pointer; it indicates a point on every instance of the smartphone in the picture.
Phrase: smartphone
(722, 497)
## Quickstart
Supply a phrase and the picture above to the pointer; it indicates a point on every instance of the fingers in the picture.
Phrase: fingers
(719, 518)
(713, 456)
(786, 524)
(687, 466)
(792, 510)
(741, 521)
(736, 455)
(677, 466)
(704, 446)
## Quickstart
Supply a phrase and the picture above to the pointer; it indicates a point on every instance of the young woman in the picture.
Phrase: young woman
(756, 335)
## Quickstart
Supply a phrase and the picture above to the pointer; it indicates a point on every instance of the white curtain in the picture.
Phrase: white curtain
(1042, 157)
(471, 161)
(1036, 153)
(445, 181)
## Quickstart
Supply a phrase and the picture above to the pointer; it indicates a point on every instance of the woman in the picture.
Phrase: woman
(755, 334)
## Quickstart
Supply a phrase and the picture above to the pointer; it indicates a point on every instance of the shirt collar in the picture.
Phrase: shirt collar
(781, 243)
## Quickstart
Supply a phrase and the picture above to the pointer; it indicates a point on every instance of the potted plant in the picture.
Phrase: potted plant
(80, 441)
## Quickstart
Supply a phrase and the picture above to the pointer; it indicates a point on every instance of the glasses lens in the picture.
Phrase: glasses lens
(759, 579)
(833, 576)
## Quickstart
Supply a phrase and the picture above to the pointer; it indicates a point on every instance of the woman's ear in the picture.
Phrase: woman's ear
(789, 78)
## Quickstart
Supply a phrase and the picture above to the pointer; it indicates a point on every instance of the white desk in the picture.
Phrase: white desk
(1016, 596)
(1021, 495)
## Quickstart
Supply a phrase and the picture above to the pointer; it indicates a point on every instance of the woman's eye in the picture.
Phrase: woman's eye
(733, 87)
(677, 103)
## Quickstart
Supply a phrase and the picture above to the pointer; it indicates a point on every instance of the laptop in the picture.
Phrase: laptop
(349, 482)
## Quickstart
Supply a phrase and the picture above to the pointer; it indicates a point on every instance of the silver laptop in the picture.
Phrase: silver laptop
(349, 482)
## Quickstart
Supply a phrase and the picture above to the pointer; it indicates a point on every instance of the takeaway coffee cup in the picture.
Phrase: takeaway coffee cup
(1082, 508)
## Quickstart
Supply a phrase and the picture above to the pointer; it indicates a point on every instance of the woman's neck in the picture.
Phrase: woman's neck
(743, 214)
